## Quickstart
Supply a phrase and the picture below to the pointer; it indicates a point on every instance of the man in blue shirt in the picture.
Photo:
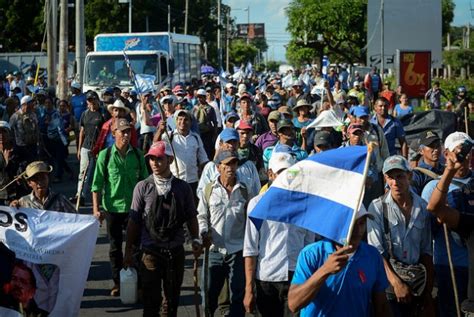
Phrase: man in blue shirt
(78, 101)
(332, 280)
(430, 150)
(392, 127)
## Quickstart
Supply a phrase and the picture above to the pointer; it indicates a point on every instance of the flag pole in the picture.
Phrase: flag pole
(370, 149)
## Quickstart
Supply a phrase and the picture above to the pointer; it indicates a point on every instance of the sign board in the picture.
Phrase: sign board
(252, 30)
(408, 25)
(414, 71)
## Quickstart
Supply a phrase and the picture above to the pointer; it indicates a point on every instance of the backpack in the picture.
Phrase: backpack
(30, 129)
(163, 227)
(204, 123)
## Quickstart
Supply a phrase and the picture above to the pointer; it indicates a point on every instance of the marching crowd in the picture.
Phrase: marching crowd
(204, 153)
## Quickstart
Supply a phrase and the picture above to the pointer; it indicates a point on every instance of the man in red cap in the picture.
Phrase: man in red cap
(161, 205)
(248, 151)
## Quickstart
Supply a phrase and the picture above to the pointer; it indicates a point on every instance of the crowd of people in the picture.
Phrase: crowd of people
(204, 153)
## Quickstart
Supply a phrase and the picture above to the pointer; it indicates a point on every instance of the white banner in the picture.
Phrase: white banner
(47, 268)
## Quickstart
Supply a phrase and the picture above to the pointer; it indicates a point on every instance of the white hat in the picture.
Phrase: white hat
(168, 97)
(356, 83)
(455, 139)
(76, 85)
(280, 160)
(229, 85)
(4, 125)
(118, 104)
(363, 212)
(201, 92)
(126, 90)
(242, 88)
(25, 99)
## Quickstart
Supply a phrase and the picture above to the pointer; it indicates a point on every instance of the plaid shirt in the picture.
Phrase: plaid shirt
(60, 203)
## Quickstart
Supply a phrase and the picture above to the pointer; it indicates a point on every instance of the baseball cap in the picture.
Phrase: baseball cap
(274, 115)
(244, 125)
(284, 123)
(360, 111)
(281, 160)
(160, 149)
(167, 98)
(182, 112)
(91, 95)
(26, 99)
(225, 157)
(126, 90)
(229, 134)
(229, 85)
(245, 95)
(429, 137)
(201, 92)
(395, 162)
(37, 167)
(231, 115)
(363, 212)
(354, 128)
(322, 138)
(76, 85)
(356, 83)
(4, 125)
(455, 139)
(298, 83)
(122, 124)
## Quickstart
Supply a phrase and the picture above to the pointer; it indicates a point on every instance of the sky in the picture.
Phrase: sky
(272, 13)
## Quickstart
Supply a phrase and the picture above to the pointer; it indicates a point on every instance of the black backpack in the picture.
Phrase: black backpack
(163, 226)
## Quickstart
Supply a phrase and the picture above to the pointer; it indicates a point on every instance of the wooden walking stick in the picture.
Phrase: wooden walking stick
(466, 119)
(197, 302)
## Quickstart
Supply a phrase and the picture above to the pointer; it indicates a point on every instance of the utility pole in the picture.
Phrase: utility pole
(248, 24)
(129, 16)
(63, 48)
(186, 17)
(227, 40)
(80, 41)
(219, 53)
(382, 48)
(169, 18)
(468, 45)
(52, 8)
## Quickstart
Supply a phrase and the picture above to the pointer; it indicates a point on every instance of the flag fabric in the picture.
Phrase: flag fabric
(327, 118)
(145, 83)
(319, 193)
(325, 66)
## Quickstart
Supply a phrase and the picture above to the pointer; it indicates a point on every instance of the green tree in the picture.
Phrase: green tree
(340, 24)
(241, 52)
(447, 15)
(272, 66)
(459, 58)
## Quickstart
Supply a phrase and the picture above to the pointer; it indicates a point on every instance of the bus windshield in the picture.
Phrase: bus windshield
(108, 70)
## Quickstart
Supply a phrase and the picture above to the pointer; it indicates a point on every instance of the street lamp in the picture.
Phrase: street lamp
(129, 13)
(248, 21)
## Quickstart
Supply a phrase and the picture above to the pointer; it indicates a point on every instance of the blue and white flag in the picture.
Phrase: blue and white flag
(145, 83)
(319, 194)
(325, 66)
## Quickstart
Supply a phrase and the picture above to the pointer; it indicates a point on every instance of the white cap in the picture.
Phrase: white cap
(76, 85)
(25, 99)
(126, 90)
(4, 125)
(242, 88)
(201, 92)
(455, 139)
(168, 97)
(280, 160)
(229, 85)
(356, 83)
(363, 212)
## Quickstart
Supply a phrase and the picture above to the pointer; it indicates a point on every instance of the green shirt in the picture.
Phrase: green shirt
(123, 175)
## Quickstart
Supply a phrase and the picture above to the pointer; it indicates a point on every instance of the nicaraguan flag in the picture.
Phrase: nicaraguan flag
(319, 193)
(145, 83)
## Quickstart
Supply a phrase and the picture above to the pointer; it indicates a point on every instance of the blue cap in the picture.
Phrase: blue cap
(229, 134)
(133, 92)
(109, 90)
(231, 114)
(360, 111)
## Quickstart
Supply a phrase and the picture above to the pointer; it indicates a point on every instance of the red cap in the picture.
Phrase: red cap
(244, 125)
(160, 149)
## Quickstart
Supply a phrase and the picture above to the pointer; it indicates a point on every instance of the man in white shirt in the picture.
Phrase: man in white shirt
(222, 216)
(190, 156)
(270, 254)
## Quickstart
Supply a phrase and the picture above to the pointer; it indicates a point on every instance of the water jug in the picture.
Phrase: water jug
(128, 285)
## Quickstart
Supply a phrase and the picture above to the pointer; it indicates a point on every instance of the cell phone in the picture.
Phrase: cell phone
(465, 150)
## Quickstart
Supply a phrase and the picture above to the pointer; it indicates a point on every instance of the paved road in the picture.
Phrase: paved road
(96, 300)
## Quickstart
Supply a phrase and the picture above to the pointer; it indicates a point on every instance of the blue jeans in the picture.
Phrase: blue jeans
(446, 304)
(220, 267)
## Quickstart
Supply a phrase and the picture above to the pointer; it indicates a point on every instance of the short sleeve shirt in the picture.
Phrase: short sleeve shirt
(393, 129)
(347, 293)
(91, 121)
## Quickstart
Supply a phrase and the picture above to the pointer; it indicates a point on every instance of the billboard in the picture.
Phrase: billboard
(414, 71)
(252, 30)
(408, 25)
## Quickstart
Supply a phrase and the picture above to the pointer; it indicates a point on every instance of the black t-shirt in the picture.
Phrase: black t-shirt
(91, 121)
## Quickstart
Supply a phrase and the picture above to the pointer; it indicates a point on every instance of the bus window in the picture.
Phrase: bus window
(164, 67)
